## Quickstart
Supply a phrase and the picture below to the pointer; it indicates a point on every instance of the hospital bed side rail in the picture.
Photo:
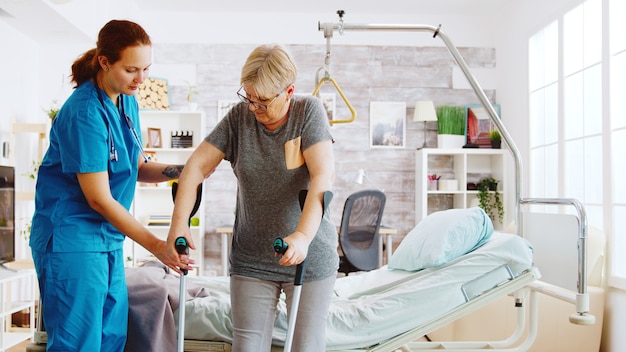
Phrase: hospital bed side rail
(581, 298)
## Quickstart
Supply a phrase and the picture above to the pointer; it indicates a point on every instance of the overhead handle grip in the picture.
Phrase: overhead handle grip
(343, 96)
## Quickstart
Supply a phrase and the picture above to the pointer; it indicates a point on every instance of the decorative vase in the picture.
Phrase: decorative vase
(450, 141)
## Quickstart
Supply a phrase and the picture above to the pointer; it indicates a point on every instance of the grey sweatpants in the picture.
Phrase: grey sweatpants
(254, 301)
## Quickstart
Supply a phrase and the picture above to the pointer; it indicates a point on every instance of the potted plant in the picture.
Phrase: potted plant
(450, 126)
(489, 198)
(191, 91)
(495, 138)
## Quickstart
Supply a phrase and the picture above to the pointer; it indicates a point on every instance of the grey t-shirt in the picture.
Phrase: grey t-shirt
(271, 172)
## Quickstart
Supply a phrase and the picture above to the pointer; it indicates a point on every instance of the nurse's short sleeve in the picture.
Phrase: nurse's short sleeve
(83, 142)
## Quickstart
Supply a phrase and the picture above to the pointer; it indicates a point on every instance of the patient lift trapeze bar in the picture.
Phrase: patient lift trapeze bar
(327, 78)
(581, 299)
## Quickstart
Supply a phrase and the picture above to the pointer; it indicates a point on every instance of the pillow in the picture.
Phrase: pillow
(441, 237)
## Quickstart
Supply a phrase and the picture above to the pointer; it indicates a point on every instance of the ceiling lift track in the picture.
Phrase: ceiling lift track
(582, 298)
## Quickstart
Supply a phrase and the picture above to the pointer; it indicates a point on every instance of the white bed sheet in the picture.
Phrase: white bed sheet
(375, 306)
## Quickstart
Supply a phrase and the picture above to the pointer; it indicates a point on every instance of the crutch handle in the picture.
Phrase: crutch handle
(182, 248)
(280, 246)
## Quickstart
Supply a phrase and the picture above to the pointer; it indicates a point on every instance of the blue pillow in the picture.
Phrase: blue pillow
(441, 237)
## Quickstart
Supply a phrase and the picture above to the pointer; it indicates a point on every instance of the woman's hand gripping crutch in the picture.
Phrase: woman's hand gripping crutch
(182, 247)
(280, 247)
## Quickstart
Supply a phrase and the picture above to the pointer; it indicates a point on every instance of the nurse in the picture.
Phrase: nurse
(85, 187)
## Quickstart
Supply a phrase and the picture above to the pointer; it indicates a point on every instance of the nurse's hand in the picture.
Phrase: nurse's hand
(168, 255)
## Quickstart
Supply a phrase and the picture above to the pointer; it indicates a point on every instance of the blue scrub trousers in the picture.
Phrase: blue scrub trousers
(84, 298)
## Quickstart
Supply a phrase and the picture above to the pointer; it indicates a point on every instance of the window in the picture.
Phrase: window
(578, 119)
(617, 50)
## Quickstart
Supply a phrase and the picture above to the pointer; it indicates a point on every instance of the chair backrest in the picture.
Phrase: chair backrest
(360, 222)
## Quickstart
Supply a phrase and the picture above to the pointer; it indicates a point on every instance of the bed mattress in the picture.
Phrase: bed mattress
(372, 307)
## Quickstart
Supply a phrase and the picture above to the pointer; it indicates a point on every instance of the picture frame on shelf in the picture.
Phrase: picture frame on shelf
(479, 125)
(153, 94)
(387, 124)
(154, 138)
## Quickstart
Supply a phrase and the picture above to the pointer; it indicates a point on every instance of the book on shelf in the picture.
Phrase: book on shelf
(159, 219)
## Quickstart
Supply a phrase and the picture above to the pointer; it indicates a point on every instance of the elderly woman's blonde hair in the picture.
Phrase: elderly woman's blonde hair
(269, 69)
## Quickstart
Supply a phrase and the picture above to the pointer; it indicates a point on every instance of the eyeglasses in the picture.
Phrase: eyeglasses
(257, 106)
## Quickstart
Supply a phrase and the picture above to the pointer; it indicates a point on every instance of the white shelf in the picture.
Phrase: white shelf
(11, 336)
(465, 166)
(157, 199)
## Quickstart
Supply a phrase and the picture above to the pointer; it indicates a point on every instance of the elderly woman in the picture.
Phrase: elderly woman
(277, 144)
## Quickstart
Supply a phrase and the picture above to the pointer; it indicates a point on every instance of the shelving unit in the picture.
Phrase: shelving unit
(465, 166)
(156, 199)
(12, 303)
(20, 128)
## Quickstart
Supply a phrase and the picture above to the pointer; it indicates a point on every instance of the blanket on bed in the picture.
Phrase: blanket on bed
(153, 304)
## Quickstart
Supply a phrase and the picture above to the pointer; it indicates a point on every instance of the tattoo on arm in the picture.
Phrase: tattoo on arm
(173, 171)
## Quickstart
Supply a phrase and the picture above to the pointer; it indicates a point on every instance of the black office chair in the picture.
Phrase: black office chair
(358, 234)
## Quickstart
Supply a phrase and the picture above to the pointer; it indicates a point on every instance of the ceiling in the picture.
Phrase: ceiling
(350, 6)
(48, 20)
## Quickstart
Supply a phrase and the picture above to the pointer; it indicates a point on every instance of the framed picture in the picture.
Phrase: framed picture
(223, 106)
(479, 125)
(154, 138)
(153, 94)
(387, 124)
(329, 101)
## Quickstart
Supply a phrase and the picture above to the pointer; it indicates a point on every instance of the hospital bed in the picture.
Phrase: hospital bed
(375, 311)
(381, 310)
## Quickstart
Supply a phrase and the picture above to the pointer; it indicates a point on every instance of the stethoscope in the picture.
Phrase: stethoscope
(129, 124)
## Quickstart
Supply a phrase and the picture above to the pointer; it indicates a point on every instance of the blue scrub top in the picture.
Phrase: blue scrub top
(80, 143)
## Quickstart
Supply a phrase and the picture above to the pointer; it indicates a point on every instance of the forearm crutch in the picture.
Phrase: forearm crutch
(182, 247)
(280, 247)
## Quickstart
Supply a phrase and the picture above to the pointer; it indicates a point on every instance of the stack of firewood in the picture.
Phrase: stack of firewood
(153, 95)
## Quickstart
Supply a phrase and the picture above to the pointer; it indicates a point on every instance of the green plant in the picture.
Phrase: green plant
(25, 231)
(451, 120)
(32, 172)
(52, 111)
(494, 135)
(489, 198)
(191, 91)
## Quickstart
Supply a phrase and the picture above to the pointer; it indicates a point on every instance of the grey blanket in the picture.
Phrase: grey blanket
(153, 304)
